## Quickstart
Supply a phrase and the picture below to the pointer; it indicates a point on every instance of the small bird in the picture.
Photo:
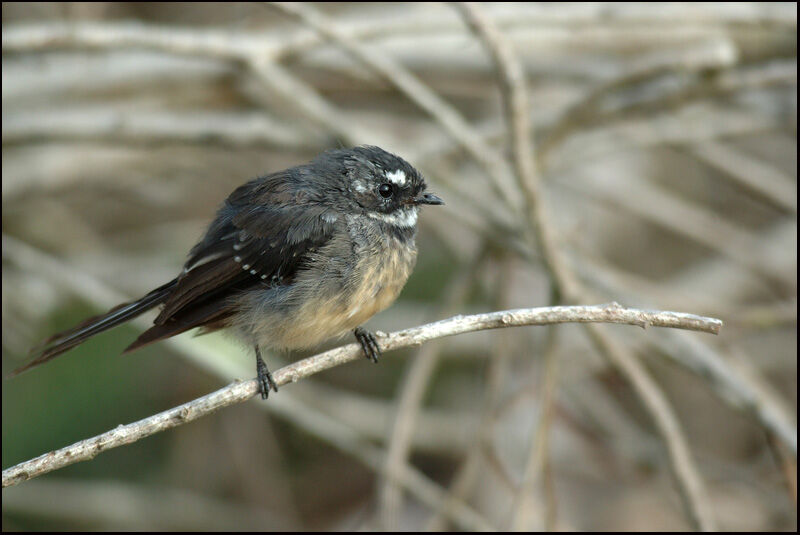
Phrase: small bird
(291, 259)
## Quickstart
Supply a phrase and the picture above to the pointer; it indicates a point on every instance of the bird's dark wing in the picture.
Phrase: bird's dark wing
(261, 237)
(65, 340)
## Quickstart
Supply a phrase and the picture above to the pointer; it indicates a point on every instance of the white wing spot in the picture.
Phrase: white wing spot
(202, 261)
(246, 267)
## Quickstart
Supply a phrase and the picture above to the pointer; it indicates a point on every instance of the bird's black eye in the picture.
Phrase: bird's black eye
(385, 190)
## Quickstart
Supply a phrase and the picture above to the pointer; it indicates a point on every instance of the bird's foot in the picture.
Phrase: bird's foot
(265, 380)
(368, 343)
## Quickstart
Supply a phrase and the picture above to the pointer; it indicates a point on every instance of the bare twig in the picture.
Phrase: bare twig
(307, 100)
(446, 115)
(773, 74)
(148, 129)
(517, 114)
(538, 453)
(786, 464)
(682, 126)
(741, 389)
(686, 217)
(468, 474)
(131, 506)
(690, 485)
(707, 55)
(347, 441)
(765, 180)
(254, 54)
(645, 21)
(564, 282)
(243, 390)
(100, 36)
(412, 392)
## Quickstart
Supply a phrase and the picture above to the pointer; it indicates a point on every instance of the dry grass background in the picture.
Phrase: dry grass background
(661, 173)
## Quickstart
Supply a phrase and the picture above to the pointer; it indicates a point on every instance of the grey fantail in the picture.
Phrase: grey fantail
(291, 259)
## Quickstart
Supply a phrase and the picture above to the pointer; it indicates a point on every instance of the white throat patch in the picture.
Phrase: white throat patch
(398, 177)
(406, 217)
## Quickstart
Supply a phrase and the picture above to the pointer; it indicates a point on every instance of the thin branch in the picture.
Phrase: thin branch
(101, 36)
(307, 100)
(538, 453)
(351, 443)
(687, 218)
(645, 22)
(517, 115)
(565, 284)
(734, 382)
(253, 54)
(690, 486)
(762, 178)
(684, 125)
(139, 507)
(741, 389)
(502, 351)
(155, 128)
(412, 391)
(715, 54)
(241, 391)
(729, 81)
(452, 122)
(786, 464)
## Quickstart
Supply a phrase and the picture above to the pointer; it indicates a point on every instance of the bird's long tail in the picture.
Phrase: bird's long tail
(66, 340)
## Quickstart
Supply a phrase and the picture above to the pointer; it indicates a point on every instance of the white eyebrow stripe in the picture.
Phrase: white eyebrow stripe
(398, 177)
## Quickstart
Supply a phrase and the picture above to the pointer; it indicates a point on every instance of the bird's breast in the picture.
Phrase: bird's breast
(380, 277)
(338, 293)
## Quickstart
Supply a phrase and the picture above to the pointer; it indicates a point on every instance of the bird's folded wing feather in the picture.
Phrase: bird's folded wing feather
(261, 237)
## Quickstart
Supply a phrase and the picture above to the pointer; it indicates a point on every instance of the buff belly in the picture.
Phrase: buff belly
(327, 301)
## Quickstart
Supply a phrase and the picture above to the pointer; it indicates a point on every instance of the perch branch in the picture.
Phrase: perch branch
(240, 391)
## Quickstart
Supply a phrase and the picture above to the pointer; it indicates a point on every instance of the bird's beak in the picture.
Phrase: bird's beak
(428, 198)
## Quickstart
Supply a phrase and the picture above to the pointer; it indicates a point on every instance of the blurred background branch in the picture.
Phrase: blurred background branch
(662, 139)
